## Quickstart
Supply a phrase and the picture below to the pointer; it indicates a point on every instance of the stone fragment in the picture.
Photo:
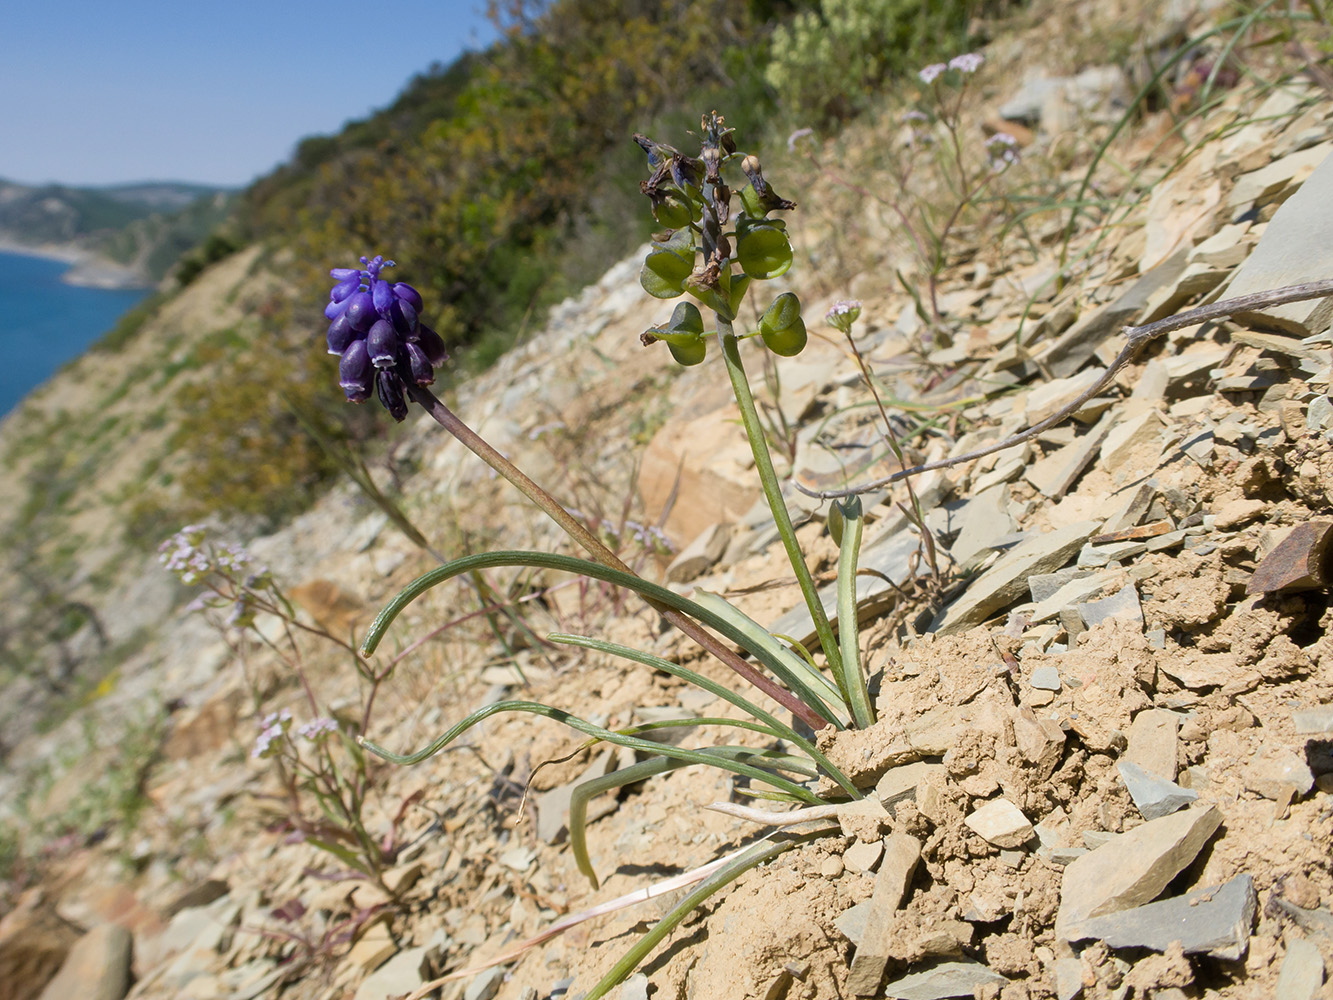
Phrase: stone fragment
(200, 894)
(1068, 976)
(1216, 920)
(485, 985)
(97, 967)
(1132, 440)
(1281, 775)
(1044, 585)
(1153, 796)
(900, 783)
(1123, 605)
(862, 857)
(982, 521)
(1045, 679)
(1076, 591)
(635, 987)
(1051, 397)
(1237, 513)
(1301, 561)
(553, 806)
(1135, 867)
(1006, 581)
(865, 819)
(700, 554)
(1302, 971)
(1001, 823)
(833, 867)
(1274, 181)
(1313, 720)
(1294, 248)
(372, 949)
(1096, 556)
(1152, 742)
(851, 922)
(901, 855)
(1058, 471)
(948, 979)
(399, 975)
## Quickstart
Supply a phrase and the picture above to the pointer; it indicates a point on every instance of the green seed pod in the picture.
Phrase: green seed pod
(689, 354)
(673, 210)
(782, 327)
(668, 266)
(684, 335)
(763, 249)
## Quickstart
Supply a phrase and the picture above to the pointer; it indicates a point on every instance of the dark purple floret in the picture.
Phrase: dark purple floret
(355, 372)
(340, 334)
(382, 342)
(376, 331)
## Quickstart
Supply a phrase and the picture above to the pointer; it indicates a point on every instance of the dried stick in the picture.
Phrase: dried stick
(765, 817)
(1138, 337)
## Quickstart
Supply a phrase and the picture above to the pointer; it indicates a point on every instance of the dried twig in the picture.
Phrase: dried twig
(1138, 337)
(764, 817)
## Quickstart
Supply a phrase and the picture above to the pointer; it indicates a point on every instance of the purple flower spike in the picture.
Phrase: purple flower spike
(375, 329)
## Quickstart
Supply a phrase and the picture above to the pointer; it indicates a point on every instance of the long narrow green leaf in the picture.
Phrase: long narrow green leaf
(583, 726)
(763, 851)
(572, 564)
(800, 676)
(725, 693)
(852, 681)
(587, 790)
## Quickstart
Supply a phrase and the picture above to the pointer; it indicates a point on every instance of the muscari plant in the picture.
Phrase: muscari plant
(721, 241)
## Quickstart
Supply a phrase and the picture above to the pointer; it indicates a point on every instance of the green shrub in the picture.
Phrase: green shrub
(825, 63)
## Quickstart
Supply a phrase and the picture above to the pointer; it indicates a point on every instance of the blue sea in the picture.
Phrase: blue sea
(44, 322)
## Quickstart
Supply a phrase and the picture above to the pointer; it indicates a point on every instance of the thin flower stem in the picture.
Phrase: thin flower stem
(763, 463)
(471, 440)
(1138, 337)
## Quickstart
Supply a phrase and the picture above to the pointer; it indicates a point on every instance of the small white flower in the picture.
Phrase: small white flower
(969, 62)
(932, 73)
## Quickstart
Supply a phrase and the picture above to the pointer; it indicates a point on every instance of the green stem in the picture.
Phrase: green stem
(577, 530)
(763, 463)
(852, 680)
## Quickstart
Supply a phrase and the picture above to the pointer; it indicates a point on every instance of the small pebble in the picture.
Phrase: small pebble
(831, 867)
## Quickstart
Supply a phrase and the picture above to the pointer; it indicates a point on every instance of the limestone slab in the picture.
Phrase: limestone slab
(1134, 868)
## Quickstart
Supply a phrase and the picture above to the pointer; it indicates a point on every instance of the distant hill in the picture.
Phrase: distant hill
(125, 234)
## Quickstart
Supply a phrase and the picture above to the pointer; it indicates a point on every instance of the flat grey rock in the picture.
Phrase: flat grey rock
(1302, 971)
(1123, 605)
(1293, 249)
(402, 974)
(1153, 796)
(1152, 742)
(1006, 581)
(1313, 720)
(1216, 920)
(635, 987)
(1133, 868)
(96, 968)
(1045, 679)
(948, 979)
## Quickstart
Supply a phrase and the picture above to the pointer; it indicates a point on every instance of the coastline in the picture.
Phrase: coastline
(86, 270)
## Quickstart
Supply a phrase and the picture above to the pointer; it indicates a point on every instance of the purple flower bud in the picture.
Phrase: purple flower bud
(406, 293)
(355, 372)
(343, 273)
(335, 309)
(432, 345)
(389, 388)
(422, 372)
(340, 334)
(382, 342)
(382, 295)
(404, 316)
(361, 311)
(346, 287)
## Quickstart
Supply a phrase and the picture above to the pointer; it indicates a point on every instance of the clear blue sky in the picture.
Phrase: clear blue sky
(105, 91)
